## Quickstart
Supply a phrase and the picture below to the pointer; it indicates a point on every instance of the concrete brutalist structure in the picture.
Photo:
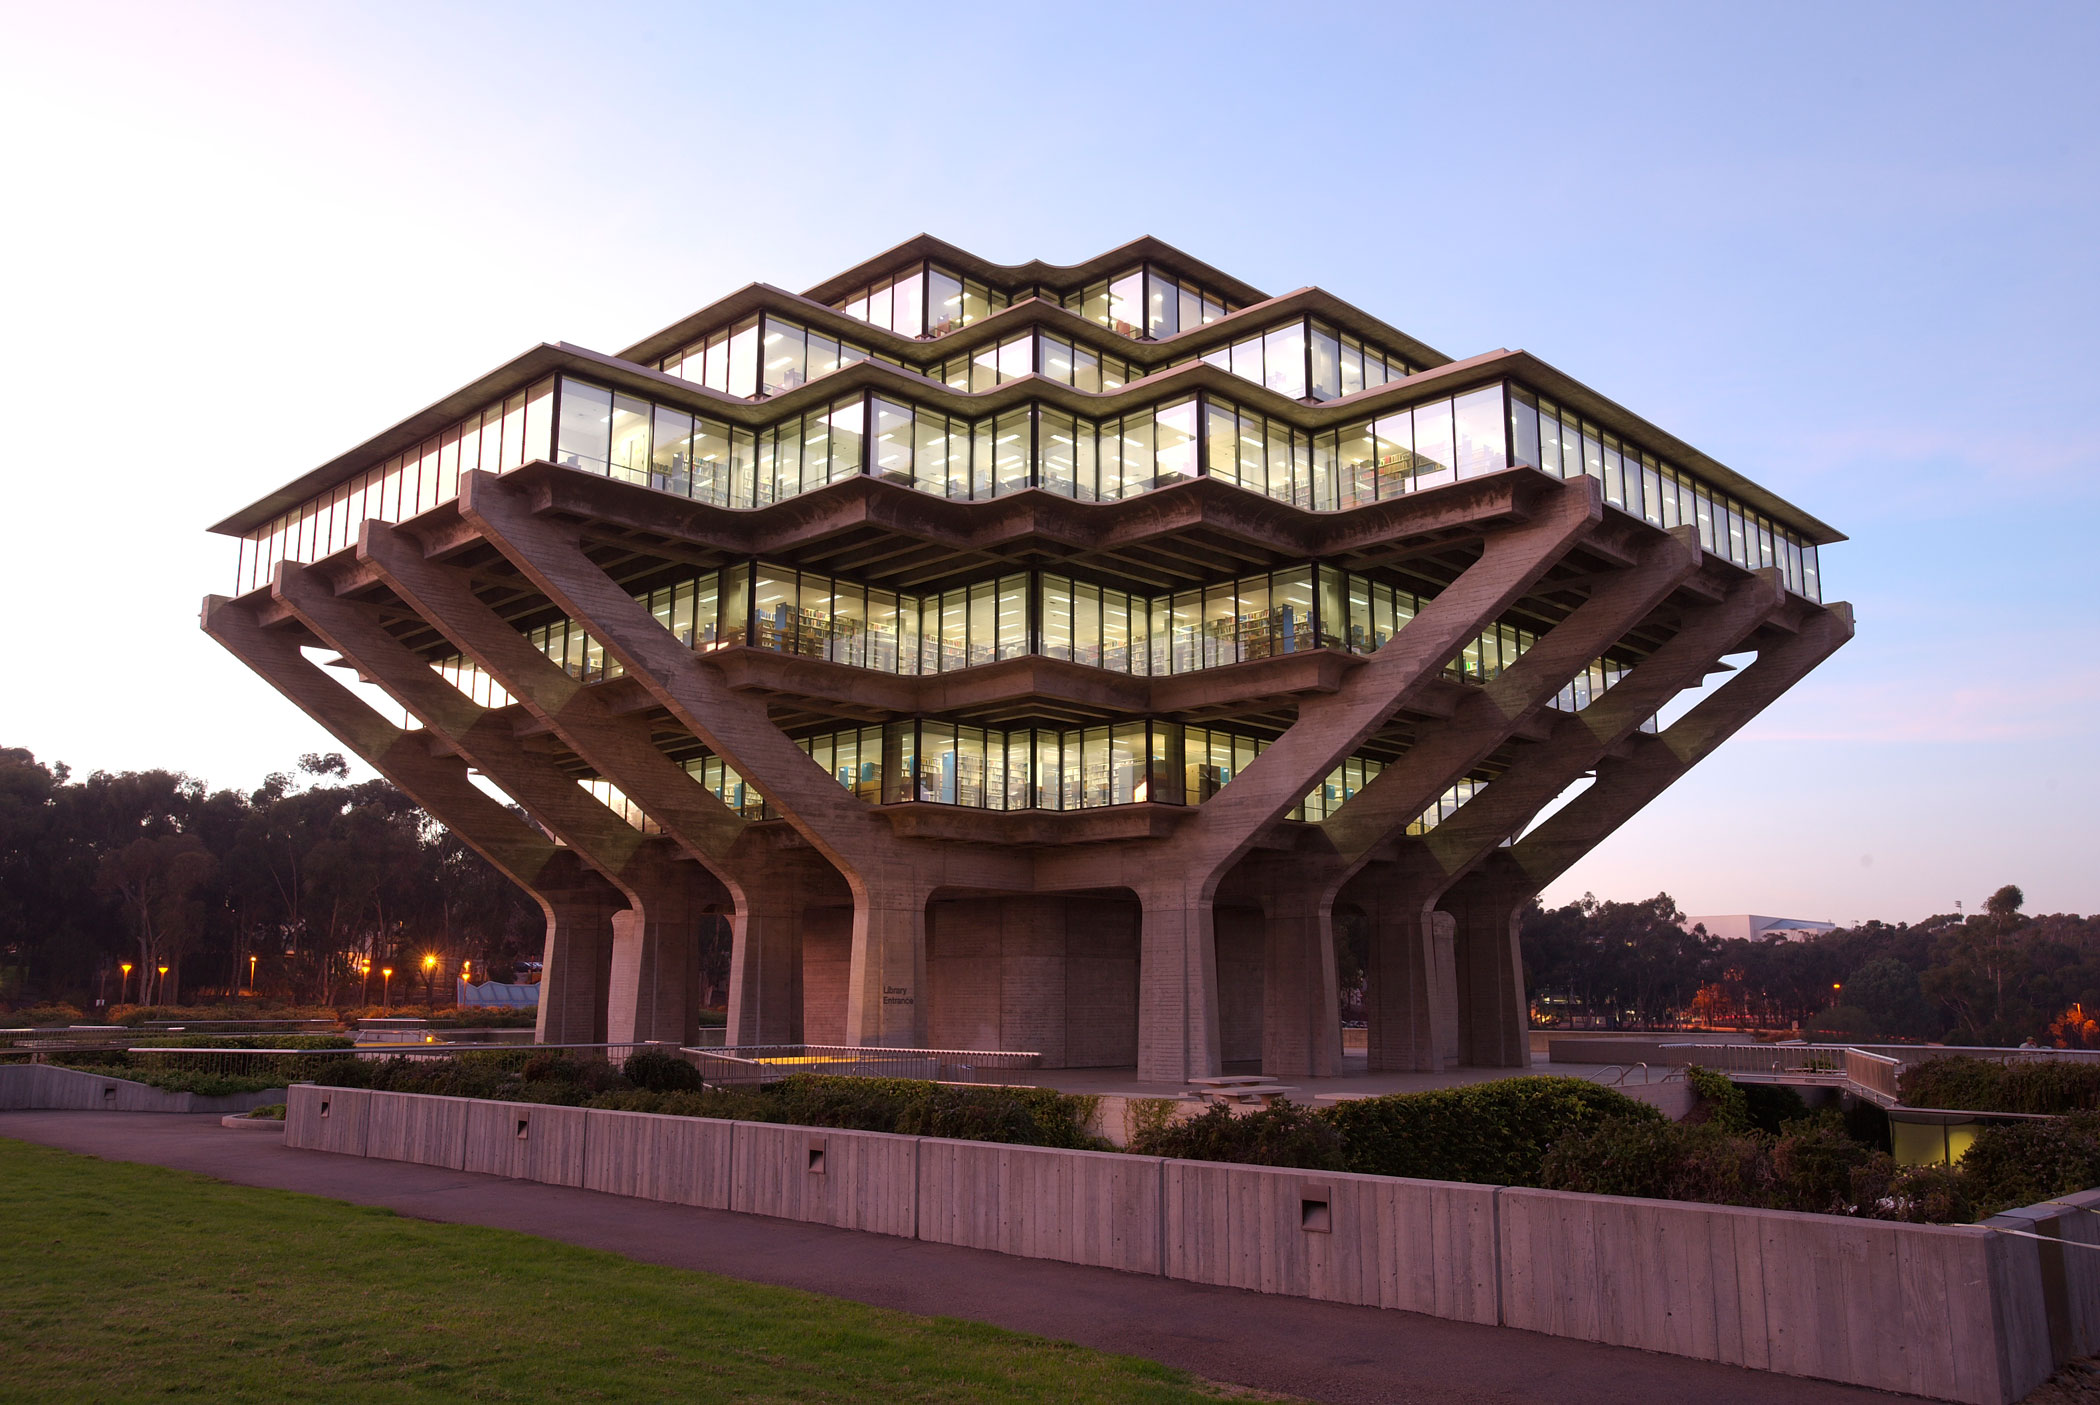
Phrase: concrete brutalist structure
(1030, 657)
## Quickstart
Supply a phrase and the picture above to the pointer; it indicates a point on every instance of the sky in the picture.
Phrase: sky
(1848, 250)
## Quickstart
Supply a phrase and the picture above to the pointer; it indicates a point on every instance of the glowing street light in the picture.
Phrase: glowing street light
(124, 991)
(386, 987)
(430, 962)
(251, 973)
(160, 992)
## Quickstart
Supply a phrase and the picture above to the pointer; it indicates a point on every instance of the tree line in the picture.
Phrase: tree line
(304, 889)
(1996, 976)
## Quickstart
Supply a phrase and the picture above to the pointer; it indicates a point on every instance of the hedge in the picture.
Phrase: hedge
(2049, 1086)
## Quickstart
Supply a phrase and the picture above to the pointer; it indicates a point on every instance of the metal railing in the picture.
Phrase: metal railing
(754, 1065)
(297, 1064)
(1873, 1074)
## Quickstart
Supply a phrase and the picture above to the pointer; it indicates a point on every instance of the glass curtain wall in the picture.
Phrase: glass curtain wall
(1549, 437)
(1308, 360)
(1148, 302)
(1146, 761)
(1035, 353)
(924, 300)
(500, 436)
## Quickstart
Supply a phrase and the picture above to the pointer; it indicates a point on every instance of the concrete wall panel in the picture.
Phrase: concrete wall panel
(855, 1180)
(1418, 1246)
(827, 961)
(1101, 982)
(1897, 1307)
(1242, 957)
(1079, 1207)
(327, 1119)
(417, 1127)
(683, 1160)
(525, 1141)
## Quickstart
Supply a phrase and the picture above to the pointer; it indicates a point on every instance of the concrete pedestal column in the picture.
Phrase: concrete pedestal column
(652, 988)
(1494, 1017)
(573, 969)
(765, 970)
(1178, 987)
(1301, 1030)
(1410, 1000)
(886, 987)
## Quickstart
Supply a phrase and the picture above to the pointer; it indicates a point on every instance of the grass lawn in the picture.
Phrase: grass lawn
(124, 1282)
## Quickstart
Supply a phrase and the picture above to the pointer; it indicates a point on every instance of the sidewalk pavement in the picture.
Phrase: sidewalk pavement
(1323, 1351)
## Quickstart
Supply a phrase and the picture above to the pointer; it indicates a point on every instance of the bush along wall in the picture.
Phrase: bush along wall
(1742, 1145)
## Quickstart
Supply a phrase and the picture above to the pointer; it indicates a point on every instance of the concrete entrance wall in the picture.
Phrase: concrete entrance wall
(1056, 975)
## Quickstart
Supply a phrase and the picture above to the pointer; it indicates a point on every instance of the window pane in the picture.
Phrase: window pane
(586, 425)
(1177, 442)
(1433, 452)
(893, 442)
(1326, 363)
(1283, 356)
(1482, 447)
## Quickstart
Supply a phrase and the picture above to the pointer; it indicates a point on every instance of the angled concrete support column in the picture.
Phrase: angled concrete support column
(1177, 985)
(577, 902)
(650, 990)
(1652, 764)
(889, 877)
(763, 882)
(1489, 969)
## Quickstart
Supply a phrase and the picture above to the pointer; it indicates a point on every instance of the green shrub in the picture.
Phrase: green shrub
(660, 1072)
(1496, 1133)
(1924, 1195)
(268, 1112)
(1815, 1167)
(2020, 1163)
(2048, 1086)
(1721, 1100)
(1282, 1134)
(1661, 1160)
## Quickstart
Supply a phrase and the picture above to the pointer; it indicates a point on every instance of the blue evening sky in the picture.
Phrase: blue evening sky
(1848, 250)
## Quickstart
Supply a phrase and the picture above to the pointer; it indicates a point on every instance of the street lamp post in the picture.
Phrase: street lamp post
(124, 989)
(251, 973)
(160, 990)
(430, 979)
(386, 987)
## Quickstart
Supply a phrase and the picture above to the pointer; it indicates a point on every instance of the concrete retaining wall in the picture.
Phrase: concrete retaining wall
(1078, 1207)
(326, 1119)
(1379, 1241)
(526, 1142)
(855, 1180)
(417, 1127)
(1898, 1307)
(684, 1160)
(1950, 1312)
(49, 1087)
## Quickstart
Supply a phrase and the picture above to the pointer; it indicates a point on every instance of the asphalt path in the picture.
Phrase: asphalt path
(1322, 1351)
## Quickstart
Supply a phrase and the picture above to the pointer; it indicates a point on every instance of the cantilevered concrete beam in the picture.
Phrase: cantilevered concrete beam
(578, 903)
(1300, 1026)
(653, 946)
(1177, 879)
(1488, 1003)
(891, 879)
(765, 956)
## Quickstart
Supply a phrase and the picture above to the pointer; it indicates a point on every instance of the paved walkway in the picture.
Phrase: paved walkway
(1319, 1350)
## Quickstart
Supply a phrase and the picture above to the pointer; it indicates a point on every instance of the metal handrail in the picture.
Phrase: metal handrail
(753, 1065)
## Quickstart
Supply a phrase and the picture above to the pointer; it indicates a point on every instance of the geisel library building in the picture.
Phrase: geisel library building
(1032, 658)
